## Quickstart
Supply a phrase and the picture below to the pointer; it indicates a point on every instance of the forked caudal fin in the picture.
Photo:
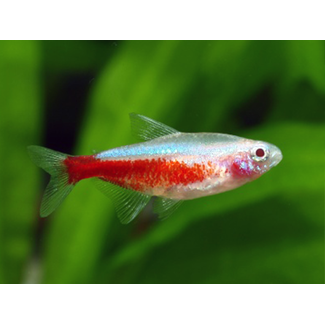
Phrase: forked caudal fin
(58, 188)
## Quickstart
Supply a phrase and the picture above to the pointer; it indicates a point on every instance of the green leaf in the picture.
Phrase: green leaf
(198, 87)
(305, 61)
(293, 191)
(19, 127)
(62, 57)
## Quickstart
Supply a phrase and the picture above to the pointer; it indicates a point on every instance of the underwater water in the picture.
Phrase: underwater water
(76, 96)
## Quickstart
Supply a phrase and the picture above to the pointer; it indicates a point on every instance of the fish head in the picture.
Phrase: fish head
(254, 158)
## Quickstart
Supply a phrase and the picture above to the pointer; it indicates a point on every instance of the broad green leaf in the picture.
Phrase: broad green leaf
(253, 244)
(68, 57)
(142, 78)
(19, 127)
(194, 86)
(284, 192)
(306, 61)
(150, 78)
(301, 102)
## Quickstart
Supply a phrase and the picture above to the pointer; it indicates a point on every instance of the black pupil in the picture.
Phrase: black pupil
(260, 153)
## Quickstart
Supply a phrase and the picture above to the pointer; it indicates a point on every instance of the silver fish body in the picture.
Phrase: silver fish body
(226, 161)
(170, 165)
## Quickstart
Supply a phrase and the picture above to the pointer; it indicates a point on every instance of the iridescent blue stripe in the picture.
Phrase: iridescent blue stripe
(180, 143)
(141, 150)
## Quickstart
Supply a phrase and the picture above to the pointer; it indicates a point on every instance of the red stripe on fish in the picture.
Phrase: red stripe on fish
(137, 174)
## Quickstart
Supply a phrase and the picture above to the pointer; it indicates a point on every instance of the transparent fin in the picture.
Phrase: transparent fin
(58, 187)
(128, 203)
(56, 191)
(165, 207)
(147, 129)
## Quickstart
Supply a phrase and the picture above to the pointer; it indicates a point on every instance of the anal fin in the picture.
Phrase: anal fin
(165, 207)
(128, 203)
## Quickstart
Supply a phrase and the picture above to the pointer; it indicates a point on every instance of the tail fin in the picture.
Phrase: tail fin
(58, 188)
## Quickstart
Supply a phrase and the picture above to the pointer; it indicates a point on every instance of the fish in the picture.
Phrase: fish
(169, 165)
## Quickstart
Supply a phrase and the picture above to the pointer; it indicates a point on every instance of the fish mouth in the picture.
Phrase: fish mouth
(276, 157)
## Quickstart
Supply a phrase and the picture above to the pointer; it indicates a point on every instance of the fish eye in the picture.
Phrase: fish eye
(259, 154)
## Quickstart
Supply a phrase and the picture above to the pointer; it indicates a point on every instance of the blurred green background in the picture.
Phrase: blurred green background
(75, 96)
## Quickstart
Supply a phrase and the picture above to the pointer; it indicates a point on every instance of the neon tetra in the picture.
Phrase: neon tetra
(171, 165)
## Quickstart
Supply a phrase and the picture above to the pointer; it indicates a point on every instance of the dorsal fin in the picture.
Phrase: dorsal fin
(147, 129)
